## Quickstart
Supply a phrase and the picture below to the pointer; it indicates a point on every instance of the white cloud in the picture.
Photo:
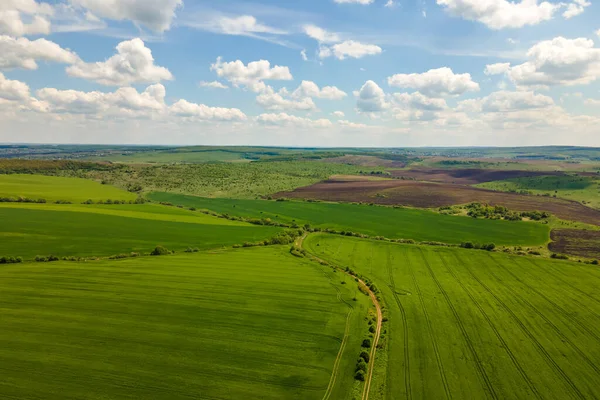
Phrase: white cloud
(363, 2)
(504, 101)
(283, 119)
(251, 75)
(303, 55)
(390, 4)
(497, 69)
(13, 90)
(157, 15)
(133, 63)
(352, 125)
(184, 108)
(321, 35)
(243, 25)
(500, 14)
(276, 102)
(598, 33)
(338, 114)
(213, 85)
(420, 102)
(371, 98)
(311, 89)
(576, 8)
(592, 102)
(558, 61)
(97, 104)
(24, 53)
(11, 17)
(349, 48)
(436, 82)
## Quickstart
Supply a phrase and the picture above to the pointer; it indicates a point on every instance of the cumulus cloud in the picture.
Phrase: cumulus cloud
(283, 119)
(338, 114)
(371, 98)
(311, 89)
(13, 90)
(183, 108)
(133, 63)
(505, 101)
(420, 102)
(321, 35)
(352, 125)
(436, 82)
(558, 61)
(11, 17)
(98, 103)
(576, 8)
(24, 53)
(500, 14)
(497, 69)
(213, 85)
(156, 15)
(252, 75)
(276, 102)
(592, 102)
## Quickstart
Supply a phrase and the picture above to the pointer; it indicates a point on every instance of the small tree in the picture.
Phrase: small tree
(366, 343)
(365, 356)
(160, 251)
(359, 376)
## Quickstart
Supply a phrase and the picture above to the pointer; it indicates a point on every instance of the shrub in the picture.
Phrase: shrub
(361, 365)
(40, 259)
(372, 329)
(366, 343)
(559, 256)
(467, 245)
(359, 376)
(160, 251)
(365, 356)
(595, 262)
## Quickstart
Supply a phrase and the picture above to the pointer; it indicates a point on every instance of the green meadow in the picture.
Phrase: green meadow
(53, 188)
(470, 324)
(28, 230)
(406, 223)
(253, 323)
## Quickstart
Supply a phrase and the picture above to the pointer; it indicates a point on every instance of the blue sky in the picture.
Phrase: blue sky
(309, 73)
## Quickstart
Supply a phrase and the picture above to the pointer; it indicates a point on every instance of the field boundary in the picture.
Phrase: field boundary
(369, 376)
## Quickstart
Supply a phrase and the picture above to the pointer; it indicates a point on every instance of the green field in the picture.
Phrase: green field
(53, 188)
(582, 189)
(469, 324)
(176, 156)
(403, 223)
(28, 230)
(238, 324)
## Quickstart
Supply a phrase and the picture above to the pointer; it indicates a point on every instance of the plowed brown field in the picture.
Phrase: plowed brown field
(429, 195)
(576, 242)
(467, 176)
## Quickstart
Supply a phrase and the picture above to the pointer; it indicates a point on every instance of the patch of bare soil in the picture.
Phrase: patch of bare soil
(433, 195)
(576, 242)
(470, 176)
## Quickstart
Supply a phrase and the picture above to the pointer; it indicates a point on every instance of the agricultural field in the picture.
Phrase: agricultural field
(584, 189)
(252, 323)
(576, 242)
(470, 324)
(404, 223)
(433, 195)
(175, 156)
(461, 176)
(54, 188)
(29, 230)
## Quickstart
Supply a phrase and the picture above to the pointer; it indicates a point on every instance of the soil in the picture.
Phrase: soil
(468, 176)
(576, 242)
(433, 195)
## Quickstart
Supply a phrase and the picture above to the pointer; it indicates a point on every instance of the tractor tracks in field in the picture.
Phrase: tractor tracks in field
(493, 327)
(369, 376)
(436, 350)
(547, 357)
(459, 322)
(392, 286)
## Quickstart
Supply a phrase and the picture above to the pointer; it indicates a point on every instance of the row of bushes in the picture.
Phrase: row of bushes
(139, 200)
(478, 210)
(478, 246)
(49, 258)
(21, 200)
(285, 237)
(10, 260)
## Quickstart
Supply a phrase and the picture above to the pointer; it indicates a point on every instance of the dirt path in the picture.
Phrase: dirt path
(369, 376)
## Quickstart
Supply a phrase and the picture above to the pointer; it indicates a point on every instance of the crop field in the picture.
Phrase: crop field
(28, 230)
(176, 156)
(53, 188)
(585, 189)
(250, 323)
(466, 176)
(403, 223)
(470, 324)
(583, 243)
(430, 195)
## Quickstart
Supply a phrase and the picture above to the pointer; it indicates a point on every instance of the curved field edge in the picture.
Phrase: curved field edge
(41, 230)
(252, 323)
(405, 223)
(530, 327)
(54, 188)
